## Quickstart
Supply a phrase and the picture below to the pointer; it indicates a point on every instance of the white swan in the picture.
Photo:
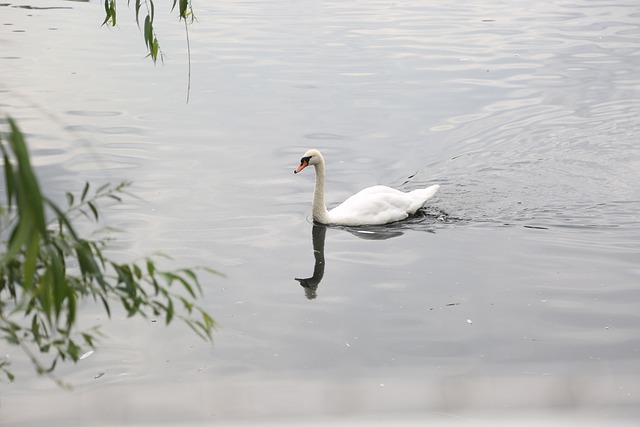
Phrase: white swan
(371, 206)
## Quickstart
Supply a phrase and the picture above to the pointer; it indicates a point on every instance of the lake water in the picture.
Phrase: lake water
(515, 295)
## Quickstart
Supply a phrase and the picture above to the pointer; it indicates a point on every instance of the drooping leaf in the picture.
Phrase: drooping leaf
(169, 312)
(103, 188)
(9, 179)
(138, 4)
(110, 12)
(94, 210)
(31, 256)
(85, 190)
(29, 195)
(61, 217)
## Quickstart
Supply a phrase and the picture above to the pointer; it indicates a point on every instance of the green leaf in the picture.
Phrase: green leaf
(94, 210)
(106, 306)
(31, 256)
(110, 12)
(28, 189)
(88, 265)
(61, 217)
(19, 237)
(188, 306)
(88, 339)
(85, 190)
(148, 31)
(137, 272)
(169, 312)
(138, 4)
(151, 268)
(102, 188)
(59, 287)
(188, 286)
(35, 328)
(155, 47)
(9, 179)
(71, 309)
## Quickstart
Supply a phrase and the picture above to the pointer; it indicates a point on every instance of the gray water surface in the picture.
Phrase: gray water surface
(517, 291)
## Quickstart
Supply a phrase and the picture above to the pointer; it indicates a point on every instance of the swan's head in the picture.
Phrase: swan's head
(311, 157)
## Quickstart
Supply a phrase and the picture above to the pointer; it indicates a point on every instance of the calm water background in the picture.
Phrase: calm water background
(518, 292)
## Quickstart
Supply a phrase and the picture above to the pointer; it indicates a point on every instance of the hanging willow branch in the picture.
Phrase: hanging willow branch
(185, 12)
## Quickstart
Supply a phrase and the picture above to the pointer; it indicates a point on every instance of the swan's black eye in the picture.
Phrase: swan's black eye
(305, 160)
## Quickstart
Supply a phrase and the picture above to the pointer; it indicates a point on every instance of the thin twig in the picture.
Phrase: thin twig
(186, 30)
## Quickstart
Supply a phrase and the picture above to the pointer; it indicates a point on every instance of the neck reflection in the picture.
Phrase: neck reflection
(310, 284)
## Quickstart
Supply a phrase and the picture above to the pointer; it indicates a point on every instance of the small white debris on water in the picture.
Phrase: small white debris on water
(87, 354)
(469, 321)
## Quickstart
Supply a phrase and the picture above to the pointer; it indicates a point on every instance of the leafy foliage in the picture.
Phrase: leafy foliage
(110, 12)
(185, 12)
(47, 269)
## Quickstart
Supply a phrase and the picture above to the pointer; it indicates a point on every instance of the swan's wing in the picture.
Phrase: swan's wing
(373, 205)
(380, 205)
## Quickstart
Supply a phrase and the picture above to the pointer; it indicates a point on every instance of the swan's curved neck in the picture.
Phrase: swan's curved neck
(319, 208)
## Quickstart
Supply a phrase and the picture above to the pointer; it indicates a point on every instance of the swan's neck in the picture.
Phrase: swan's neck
(319, 209)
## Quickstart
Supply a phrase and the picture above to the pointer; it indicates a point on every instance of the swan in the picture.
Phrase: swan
(372, 206)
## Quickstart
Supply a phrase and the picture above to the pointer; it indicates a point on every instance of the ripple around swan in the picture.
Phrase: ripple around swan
(545, 154)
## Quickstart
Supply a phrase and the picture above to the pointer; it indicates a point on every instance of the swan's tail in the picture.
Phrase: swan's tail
(420, 197)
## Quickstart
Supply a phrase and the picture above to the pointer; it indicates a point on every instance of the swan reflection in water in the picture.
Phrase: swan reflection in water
(310, 284)
(318, 233)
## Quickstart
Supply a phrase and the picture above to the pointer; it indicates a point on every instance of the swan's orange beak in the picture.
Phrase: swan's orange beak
(303, 164)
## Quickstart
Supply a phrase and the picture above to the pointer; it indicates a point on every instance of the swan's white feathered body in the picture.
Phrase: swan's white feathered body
(371, 206)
